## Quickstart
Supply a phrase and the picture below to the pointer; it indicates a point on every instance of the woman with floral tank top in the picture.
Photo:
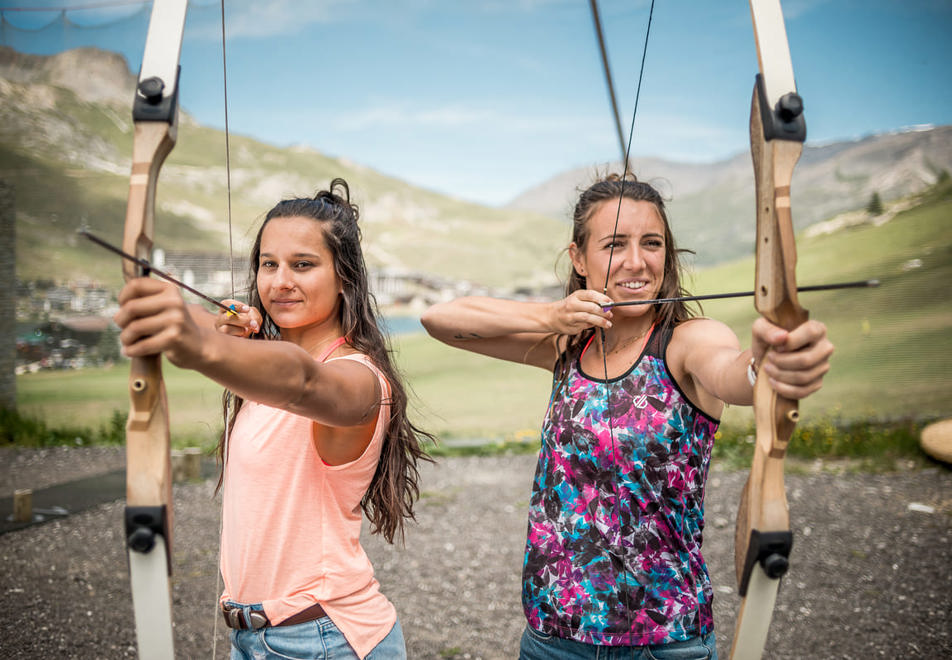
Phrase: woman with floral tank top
(613, 565)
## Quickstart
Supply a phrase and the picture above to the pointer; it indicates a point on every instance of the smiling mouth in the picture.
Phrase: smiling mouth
(632, 286)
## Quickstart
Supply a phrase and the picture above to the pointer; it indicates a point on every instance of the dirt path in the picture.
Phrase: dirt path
(871, 574)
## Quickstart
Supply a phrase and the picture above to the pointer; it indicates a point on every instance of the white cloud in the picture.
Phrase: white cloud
(396, 113)
(457, 116)
(270, 18)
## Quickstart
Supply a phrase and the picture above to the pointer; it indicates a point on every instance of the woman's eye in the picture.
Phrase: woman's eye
(301, 265)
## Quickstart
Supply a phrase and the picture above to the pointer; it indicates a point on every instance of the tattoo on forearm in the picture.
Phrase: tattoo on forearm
(459, 336)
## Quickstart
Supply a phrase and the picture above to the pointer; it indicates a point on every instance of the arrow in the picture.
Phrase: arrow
(147, 270)
(859, 284)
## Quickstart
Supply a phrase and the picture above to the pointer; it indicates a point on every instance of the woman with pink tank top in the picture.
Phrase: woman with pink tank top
(317, 435)
(613, 565)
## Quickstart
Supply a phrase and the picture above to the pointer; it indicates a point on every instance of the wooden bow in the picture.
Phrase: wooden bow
(777, 131)
(148, 519)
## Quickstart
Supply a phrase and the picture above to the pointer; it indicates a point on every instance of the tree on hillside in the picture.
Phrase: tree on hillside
(108, 346)
(875, 206)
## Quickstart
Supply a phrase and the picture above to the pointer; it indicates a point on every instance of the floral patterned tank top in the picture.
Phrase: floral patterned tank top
(613, 549)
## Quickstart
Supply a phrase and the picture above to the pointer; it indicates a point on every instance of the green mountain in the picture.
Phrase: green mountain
(65, 147)
(711, 205)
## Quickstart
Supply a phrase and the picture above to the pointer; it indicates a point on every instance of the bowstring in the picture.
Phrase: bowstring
(608, 78)
(611, 254)
(229, 397)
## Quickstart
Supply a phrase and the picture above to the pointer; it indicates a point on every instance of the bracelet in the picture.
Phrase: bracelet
(751, 374)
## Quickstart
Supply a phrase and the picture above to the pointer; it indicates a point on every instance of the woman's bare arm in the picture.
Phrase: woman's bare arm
(523, 332)
(154, 319)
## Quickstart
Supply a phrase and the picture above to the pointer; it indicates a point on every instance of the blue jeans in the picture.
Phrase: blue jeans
(540, 646)
(313, 640)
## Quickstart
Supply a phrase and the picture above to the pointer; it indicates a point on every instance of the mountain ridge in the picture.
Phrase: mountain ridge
(66, 138)
(713, 203)
(68, 156)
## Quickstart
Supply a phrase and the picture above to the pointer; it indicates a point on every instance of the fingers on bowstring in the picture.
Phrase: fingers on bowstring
(241, 321)
(594, 312)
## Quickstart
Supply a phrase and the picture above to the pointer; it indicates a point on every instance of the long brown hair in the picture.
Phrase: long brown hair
(394, 488)
(611, 189)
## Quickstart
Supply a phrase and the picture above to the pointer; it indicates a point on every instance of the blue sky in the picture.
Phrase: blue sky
(485, 98)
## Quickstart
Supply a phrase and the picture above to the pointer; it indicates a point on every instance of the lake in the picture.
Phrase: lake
(402, 325)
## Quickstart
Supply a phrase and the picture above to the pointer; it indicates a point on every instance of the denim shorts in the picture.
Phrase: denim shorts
(313, 640)
(540, 646)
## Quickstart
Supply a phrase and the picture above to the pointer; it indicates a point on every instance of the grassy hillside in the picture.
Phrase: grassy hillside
(894, 343)
(893, 355)
(70, 169)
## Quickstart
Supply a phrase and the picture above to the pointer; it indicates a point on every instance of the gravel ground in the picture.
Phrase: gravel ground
(871, 574)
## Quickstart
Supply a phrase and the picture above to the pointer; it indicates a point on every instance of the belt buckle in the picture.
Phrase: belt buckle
(258, 620)
(234, 619)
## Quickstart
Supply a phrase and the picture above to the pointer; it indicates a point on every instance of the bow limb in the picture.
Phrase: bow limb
(148, 519)
(777, 131)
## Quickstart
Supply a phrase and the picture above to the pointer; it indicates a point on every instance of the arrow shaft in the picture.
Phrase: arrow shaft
(148, 269)
(860, 284)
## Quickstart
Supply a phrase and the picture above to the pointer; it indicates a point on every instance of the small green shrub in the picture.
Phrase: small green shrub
(23, 431)
(875, 444)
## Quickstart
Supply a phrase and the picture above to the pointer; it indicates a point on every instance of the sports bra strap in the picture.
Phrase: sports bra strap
(331, 348)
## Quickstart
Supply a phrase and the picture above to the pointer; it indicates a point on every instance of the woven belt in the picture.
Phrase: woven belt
(258, 619)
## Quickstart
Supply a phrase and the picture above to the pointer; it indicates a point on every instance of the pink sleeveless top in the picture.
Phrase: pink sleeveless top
(291, 523)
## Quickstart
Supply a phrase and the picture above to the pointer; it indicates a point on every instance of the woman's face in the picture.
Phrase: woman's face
(636, 250)
(297, 282)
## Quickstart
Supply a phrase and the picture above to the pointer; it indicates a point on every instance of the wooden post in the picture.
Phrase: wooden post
(193, 463)
(23, 505)
(186, 464)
